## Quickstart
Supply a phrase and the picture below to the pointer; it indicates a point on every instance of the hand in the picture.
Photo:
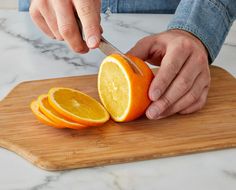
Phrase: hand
(56, 18)
(182, 82)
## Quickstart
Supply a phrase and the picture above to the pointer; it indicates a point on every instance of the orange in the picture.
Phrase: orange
(40, 116)
(77, 106)
(123, 92)
(60, 120)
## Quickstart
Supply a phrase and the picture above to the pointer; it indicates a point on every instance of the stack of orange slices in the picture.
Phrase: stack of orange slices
(123, 93)
(68, 108)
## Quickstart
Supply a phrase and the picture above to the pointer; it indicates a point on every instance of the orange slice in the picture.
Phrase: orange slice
(123, 92)
(60, 120)
(78, 106)
(40, 116)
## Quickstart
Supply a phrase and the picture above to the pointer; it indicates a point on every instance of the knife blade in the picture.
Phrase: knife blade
(107, 48)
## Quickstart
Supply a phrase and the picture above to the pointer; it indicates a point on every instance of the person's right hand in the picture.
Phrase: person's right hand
(57, 19)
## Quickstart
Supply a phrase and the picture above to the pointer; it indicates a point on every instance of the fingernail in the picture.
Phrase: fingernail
(155, 95)
(153, 113)
(92, 41)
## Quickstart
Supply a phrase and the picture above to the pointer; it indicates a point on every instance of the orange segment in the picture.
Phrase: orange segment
(60, 120)
(77, 106)
(40, 116)
(123, 92)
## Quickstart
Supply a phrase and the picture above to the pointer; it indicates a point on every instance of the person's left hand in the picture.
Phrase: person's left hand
(183, 79)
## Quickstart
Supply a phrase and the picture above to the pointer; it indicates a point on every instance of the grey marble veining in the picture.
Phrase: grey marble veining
(230, 173)
(47, 181)
(56, 50)
(26, 54)
(230, 44)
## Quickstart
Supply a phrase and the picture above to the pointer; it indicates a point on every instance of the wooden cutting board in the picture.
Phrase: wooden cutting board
(212, 128)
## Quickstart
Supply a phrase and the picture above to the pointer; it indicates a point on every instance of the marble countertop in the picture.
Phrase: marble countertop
(28, 55)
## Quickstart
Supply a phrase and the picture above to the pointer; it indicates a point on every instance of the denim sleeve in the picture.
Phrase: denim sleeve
(140, 6)
(209, 20)
(23, 5)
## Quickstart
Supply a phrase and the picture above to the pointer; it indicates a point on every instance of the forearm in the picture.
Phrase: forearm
(209, 20)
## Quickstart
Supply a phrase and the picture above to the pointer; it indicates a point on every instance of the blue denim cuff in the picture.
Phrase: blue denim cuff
(208, 20)
(140, 6)
(23, 5)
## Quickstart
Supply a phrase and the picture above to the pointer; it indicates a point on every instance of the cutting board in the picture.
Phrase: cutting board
(212, 128)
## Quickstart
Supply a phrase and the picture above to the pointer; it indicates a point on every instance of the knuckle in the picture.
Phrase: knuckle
(183, 84)
(163, 83)
(66, 30)
(184, 44)
(152, 37)
(165, 103)
(193, 97)
(85, 9)
(41, 3)
(187, 44)
(140, 42)
(202, 59)
(34, 13)
(173, 68)
(91, 28)
(51, 19)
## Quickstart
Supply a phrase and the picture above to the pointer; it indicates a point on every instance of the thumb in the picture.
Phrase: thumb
(142, 48)
(90, 20)
(148, 50)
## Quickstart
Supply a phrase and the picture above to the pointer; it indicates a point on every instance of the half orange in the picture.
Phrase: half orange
(123, 92)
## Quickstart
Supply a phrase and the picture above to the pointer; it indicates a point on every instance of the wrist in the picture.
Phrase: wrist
(195, 39)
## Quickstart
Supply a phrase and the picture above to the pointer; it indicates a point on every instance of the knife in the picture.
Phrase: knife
(107, 48)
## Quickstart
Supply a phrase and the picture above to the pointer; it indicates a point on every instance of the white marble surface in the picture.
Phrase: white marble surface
(27, 55)
(9, 4)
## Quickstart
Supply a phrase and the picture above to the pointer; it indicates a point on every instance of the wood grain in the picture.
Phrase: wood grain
(212, 128)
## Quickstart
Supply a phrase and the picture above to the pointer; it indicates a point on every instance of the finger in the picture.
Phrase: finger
(179, 87)
(171, 64)
(101, 29)
(192, 96)
(49, 16)
(68, 26)
(40, 22)
(197, 105)
(97, 4)
(90, 21)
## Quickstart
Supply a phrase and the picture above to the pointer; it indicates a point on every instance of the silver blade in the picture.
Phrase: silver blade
(107, 48)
